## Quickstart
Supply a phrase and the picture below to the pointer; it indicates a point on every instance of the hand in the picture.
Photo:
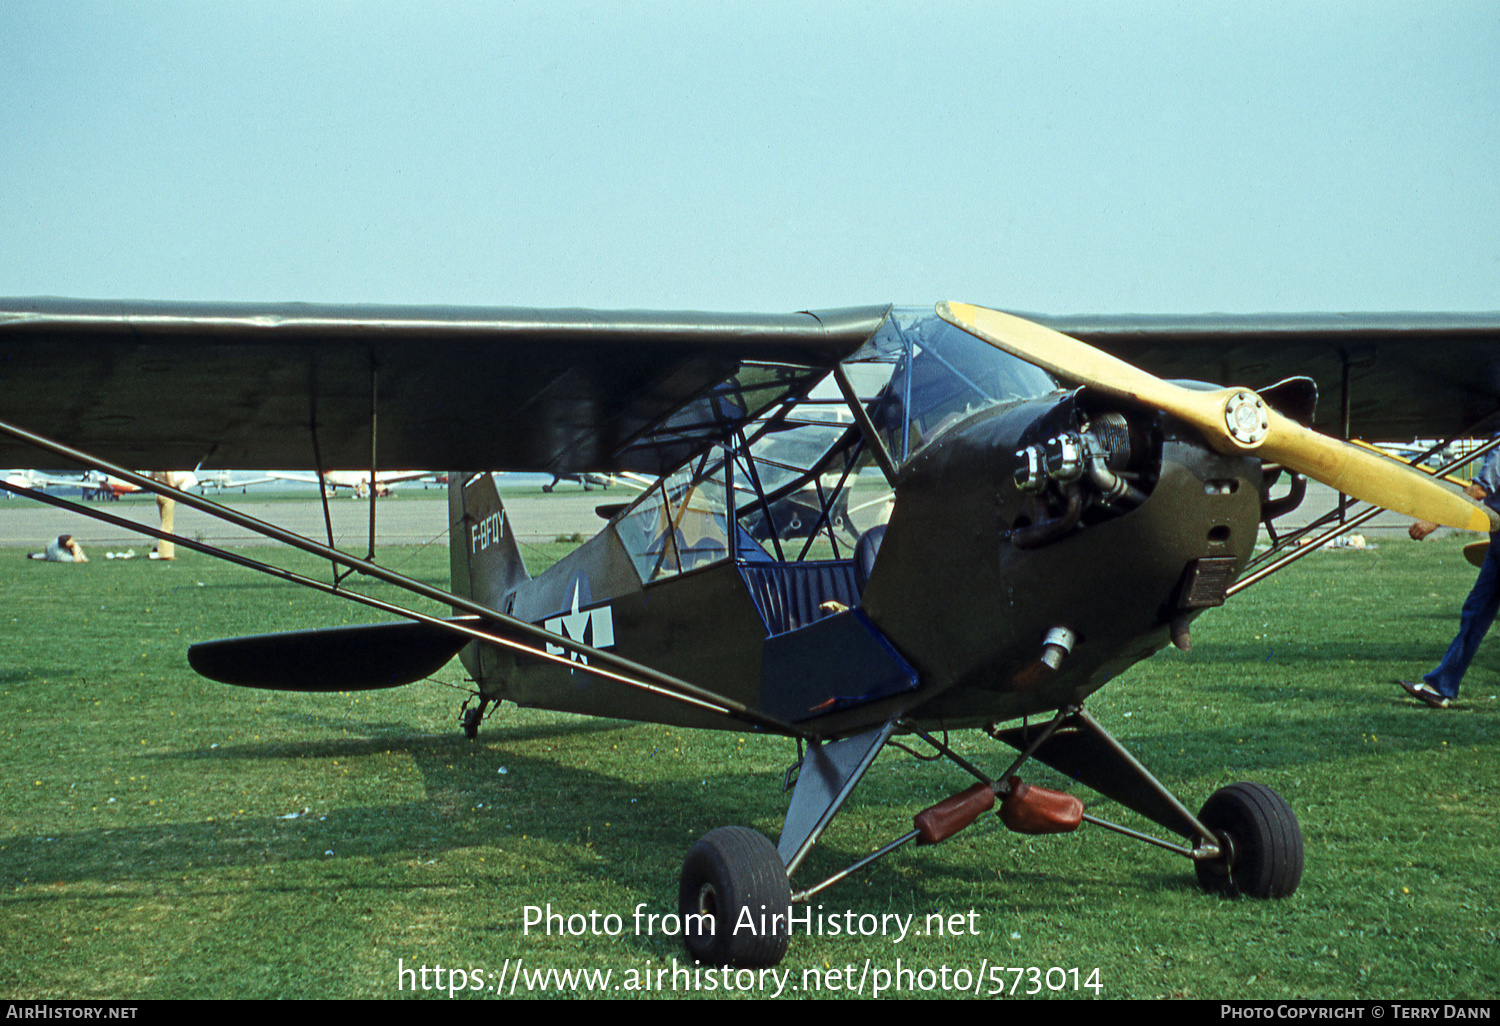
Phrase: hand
(1421, 529)
(1473, 491)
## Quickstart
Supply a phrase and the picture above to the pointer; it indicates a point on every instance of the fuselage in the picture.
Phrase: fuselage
(973, 608)
(1032, 512)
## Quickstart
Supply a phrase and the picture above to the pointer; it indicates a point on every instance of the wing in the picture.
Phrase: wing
(238, 385)
(1402, 376)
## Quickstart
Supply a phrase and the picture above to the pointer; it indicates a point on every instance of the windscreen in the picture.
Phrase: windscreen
(935, 376)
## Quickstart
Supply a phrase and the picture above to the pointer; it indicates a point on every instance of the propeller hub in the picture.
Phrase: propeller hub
(1245, 416)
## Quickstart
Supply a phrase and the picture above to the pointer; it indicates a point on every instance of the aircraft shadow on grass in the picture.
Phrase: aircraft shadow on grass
(469, 802)
(34, 674)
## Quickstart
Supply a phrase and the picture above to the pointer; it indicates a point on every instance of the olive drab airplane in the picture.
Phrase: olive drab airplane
(1059, 514)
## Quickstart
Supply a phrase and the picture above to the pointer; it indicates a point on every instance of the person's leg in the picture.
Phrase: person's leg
(1478, 613)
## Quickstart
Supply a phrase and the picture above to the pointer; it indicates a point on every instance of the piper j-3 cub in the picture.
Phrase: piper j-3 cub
(1058, 516)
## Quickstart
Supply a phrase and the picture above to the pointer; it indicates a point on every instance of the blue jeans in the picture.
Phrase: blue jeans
(1479, 612)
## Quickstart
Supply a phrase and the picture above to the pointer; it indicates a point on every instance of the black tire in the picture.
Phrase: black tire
(1263, 839)
(728, 871)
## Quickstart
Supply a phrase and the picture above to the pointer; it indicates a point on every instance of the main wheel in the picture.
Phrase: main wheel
(733, 883)
(1263, 857)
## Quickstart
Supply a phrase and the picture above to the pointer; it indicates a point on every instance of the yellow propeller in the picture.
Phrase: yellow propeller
(1234, 421)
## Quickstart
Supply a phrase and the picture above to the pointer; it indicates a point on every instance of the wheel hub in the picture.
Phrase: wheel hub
(708, 901)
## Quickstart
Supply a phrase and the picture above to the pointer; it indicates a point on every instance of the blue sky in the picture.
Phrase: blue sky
(1052, 157)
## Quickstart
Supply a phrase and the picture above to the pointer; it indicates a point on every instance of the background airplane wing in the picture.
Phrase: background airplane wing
(1408, 375)
(239, 385)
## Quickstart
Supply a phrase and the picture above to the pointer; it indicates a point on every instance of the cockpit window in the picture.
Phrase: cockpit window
(938, 375)
(779, 478)
(680, 523)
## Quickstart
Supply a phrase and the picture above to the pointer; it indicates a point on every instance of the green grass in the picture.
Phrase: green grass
(162, 836)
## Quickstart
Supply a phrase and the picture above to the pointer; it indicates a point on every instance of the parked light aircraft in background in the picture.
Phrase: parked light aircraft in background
(589, 481)
(357, 481)
(40, 479)
(91, 484)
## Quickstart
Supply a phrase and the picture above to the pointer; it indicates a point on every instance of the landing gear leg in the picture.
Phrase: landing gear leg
(1246, 840)
(743, 882)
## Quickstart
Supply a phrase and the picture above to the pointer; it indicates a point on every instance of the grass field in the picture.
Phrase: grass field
(162, 836)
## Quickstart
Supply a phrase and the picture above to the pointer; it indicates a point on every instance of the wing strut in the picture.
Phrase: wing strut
(601, 663)
(866, 426)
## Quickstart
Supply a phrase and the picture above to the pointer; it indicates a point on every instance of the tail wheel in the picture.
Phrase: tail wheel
(472, 718)
(1262, 842)
(734, 876)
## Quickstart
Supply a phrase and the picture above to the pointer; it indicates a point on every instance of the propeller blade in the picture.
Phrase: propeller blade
(1234, 421)
(1375, 479)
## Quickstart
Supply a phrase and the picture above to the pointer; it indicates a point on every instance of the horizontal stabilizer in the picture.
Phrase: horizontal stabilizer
(365, 657)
